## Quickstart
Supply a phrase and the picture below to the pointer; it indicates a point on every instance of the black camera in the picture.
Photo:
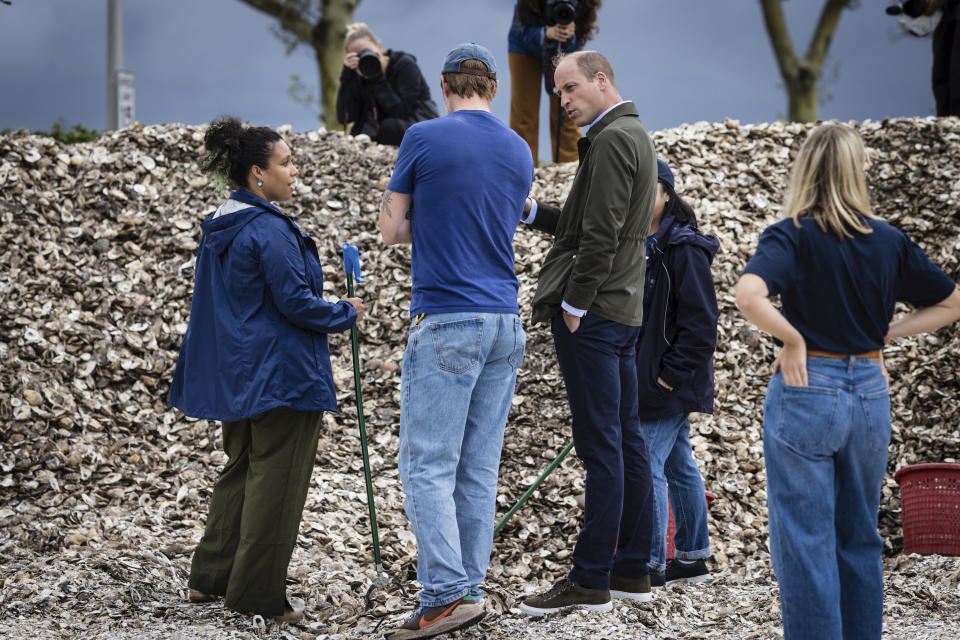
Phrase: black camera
(369, 63)
(560, 11)
(912, 8)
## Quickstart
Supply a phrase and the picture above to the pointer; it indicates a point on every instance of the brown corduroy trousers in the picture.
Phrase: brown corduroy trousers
(526, 85)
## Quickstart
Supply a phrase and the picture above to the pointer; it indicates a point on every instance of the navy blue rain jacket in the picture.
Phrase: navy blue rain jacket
(258, 322)
(679, 332)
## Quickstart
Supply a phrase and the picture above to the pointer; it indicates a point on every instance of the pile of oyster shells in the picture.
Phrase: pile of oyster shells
(105, 486)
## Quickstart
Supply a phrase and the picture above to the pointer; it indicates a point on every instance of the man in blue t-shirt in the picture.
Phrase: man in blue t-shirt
(457, 194)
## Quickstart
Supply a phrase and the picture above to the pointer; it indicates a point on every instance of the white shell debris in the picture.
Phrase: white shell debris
(105, 487)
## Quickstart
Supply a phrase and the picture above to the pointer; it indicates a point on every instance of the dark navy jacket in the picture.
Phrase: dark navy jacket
(258, 323)
(679, 332)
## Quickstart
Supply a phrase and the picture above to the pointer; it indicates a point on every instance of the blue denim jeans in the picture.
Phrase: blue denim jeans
(457, 382)
(825, 447)
(672, 464)
(599, 368)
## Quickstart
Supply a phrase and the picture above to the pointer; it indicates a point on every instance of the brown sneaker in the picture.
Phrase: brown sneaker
(199, 597)
(292, 611)
(637, 589)
(432, 621)
(567, 593)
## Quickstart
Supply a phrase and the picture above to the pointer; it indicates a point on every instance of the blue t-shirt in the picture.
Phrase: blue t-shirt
(469, 175)
(840, 295)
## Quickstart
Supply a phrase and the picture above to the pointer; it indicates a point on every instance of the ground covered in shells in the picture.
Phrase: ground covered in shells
(105, 486)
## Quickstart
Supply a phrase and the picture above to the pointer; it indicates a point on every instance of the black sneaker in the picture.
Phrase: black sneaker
(686, 572)
(657, 580)
(432, 621)
(637, 589)
(567, 593)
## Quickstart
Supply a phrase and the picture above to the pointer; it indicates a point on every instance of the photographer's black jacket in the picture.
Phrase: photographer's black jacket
(401, 94)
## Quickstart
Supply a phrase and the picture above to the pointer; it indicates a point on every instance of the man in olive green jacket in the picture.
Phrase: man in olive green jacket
(591, 290)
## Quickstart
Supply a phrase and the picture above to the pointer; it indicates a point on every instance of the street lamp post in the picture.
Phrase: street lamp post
(121, 110)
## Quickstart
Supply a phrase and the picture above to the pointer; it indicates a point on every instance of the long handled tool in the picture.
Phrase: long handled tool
(529, 492)
(351, 264)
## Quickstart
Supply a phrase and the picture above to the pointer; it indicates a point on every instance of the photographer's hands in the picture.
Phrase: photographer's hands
(352, 61)
(561, 32)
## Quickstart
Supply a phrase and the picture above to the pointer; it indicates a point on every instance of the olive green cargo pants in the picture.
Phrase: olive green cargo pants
(255, 510)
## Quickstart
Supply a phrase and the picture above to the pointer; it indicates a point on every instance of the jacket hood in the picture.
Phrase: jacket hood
(222, 226)
(672, 232)
(396, 54)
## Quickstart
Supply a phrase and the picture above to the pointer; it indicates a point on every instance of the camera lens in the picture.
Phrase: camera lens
(369, 63)
(561, 11)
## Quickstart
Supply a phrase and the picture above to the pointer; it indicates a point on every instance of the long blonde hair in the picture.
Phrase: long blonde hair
(828, 181)
(359, 30)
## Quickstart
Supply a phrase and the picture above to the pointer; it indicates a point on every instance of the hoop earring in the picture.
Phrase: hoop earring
(260, 182)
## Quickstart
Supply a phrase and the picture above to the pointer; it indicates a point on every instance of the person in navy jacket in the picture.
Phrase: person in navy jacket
(255, 356)
(675, 376)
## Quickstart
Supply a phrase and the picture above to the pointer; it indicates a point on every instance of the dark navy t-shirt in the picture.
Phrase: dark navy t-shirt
(469, 175)
(840, 295)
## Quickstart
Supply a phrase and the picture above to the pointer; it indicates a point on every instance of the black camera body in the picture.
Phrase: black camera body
(369, 63)
(560, 11)
(912, 8)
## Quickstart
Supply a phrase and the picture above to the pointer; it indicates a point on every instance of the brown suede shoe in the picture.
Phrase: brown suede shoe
(292, 611)
(637, 589)
(199, 597)
(564, 594)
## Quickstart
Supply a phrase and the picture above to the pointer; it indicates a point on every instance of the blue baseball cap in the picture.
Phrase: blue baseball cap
(664, 173)
(470, 51)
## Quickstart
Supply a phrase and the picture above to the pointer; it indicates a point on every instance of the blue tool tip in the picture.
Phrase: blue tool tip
(351, 261)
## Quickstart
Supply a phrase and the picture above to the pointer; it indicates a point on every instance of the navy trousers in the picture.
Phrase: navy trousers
(600, 373)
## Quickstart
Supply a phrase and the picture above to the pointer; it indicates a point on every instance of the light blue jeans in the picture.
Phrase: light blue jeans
(825, 447)
(672, 464)
(457, 382)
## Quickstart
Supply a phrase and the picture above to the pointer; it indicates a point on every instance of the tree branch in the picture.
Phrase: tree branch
(823, 34)
(291, 19)
(776, 27)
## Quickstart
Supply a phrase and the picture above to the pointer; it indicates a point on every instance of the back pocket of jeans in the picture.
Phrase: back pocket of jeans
(457, 344)
(519, 345)
(808, 416)
(876, 410)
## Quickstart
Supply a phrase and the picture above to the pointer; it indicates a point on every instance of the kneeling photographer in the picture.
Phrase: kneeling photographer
(381, 92)
(541, 30)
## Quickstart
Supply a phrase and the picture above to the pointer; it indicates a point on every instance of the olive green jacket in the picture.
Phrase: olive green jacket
(598, 259)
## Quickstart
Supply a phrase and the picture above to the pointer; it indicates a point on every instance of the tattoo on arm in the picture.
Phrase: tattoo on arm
(385, 203)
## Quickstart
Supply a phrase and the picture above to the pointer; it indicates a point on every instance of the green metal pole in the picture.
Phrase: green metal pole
(529, 492)
(363, 437)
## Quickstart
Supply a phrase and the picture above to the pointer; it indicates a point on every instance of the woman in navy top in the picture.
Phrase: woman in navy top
(826, 426)
(255, 356)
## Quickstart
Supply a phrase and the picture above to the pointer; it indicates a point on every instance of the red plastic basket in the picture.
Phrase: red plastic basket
(930, 500)
(672, 527)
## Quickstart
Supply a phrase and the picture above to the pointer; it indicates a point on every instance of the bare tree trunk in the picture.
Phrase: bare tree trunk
(801, 75)
(325, 37)
(327, 43)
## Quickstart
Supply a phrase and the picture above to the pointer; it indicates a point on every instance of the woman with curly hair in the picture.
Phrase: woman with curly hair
(255, 357)
(534, 40)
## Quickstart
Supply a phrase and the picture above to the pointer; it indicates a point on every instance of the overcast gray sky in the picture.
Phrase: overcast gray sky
(679, 60)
